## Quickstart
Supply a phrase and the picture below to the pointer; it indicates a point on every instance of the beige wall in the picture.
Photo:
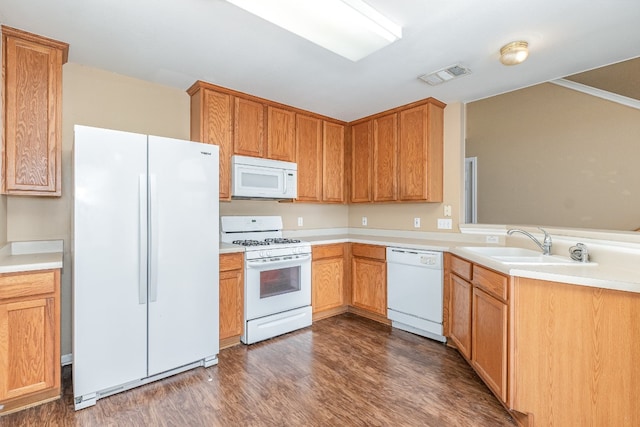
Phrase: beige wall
(400, 216)
(313, 215)
(96, 98)
(553, 156)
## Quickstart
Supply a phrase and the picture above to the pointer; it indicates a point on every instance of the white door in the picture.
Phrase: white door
(183, 240)
(109, 259)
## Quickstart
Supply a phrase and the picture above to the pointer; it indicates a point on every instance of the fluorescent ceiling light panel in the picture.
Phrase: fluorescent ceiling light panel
(350, 28)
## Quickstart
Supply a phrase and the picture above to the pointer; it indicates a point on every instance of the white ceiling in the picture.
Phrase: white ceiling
(175, 42)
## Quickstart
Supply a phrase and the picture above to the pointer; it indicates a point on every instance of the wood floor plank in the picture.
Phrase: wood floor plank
(343, 371)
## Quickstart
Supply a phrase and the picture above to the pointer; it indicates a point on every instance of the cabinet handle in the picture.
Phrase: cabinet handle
(154, 239)
(142, 239)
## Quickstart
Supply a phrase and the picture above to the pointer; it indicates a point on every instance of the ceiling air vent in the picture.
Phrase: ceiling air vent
(445, 75)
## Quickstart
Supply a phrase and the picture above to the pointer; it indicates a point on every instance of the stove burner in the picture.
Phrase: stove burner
(266, 242)
(250, 242)
(281, 240)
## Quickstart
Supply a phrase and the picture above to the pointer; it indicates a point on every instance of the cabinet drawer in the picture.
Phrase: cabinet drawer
(492, 282)
(26, 284)
(231, 262)
(369, 251)
(328, 251)
(461, 267)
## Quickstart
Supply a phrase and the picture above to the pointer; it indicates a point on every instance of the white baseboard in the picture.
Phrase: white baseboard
(66, 359)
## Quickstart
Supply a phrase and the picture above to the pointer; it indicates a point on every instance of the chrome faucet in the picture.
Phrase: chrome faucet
(545, 245)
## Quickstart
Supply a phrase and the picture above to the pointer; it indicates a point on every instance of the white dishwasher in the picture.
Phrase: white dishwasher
(414, 291)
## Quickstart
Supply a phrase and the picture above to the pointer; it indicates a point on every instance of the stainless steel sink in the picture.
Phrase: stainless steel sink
(521, 256)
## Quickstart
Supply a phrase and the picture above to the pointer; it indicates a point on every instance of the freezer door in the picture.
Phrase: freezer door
(109, 259)
(183, 239)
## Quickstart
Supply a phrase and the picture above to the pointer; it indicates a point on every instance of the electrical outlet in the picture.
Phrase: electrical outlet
(445, 223)
(364, 221)
(492, 239)
(447, 210)
(300, 221)
(416, 222)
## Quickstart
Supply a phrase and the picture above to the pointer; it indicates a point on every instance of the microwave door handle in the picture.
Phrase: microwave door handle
(284, 179)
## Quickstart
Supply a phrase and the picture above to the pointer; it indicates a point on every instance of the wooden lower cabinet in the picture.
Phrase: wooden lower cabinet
(478, 321)
(328, 280)
(460, 315)
(489, 341)
(29, 339)
(369, 279)
(231, 298)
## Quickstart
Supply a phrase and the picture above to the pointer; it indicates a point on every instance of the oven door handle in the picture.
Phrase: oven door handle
(283, 263)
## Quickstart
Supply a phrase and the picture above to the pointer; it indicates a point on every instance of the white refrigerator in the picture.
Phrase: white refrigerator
(145, 260)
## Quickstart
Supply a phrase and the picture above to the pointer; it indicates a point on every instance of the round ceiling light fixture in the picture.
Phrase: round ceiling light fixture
(514, 53)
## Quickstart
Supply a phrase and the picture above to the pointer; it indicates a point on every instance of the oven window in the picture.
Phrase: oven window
(278, 282)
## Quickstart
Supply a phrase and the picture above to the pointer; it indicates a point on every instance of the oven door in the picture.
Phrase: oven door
(278, 284)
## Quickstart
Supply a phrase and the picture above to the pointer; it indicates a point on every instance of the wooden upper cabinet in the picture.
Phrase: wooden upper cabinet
(420, 153)
(361, 154)
(281, 134)
(212, 123)
(32, 100)
(309, 158)
(333, 163)
(385, 169)
(248, 129)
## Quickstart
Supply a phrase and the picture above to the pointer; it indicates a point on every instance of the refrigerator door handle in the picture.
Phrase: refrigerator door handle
(153, 239)
(142, 249)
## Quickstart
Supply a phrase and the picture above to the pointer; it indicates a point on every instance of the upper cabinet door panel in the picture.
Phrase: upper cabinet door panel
(248, 135)
(385, 148)
(333, 163)
(281, 142)
(33, 89)
(309, 158)
(218, 123)
(361, 153)
(420, 154)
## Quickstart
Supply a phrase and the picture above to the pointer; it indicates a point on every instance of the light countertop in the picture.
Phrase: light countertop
(600, 275)
(30, 256)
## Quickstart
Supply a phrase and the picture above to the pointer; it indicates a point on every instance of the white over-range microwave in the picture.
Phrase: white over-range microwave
(257, 178)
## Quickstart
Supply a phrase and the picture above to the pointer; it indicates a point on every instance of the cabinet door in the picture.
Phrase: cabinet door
(231, 303)
(460, 324)
(489, 341)
(248, 128)
(217, 128)
(333, 163)
(327, 283)
(32, 71)
(28, 347)
(420, 153)
(385, 149)
(309, 158)
(361, 153)
(281, 142)
(369, 285)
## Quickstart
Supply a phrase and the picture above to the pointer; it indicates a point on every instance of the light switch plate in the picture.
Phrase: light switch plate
(447, 210)
(300, 221)
(364, 220)
(416, 222)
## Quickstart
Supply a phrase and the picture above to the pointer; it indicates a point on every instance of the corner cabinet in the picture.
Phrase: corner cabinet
(231, 298)
(328, 284)
(478, 321)
(29, 339)
(32, 113)
(333, 148)
(369, 281)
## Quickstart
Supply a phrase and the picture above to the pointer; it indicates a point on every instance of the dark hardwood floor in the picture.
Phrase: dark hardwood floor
(343, 371)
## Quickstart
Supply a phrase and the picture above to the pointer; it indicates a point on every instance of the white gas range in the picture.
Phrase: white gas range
(277, 284)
